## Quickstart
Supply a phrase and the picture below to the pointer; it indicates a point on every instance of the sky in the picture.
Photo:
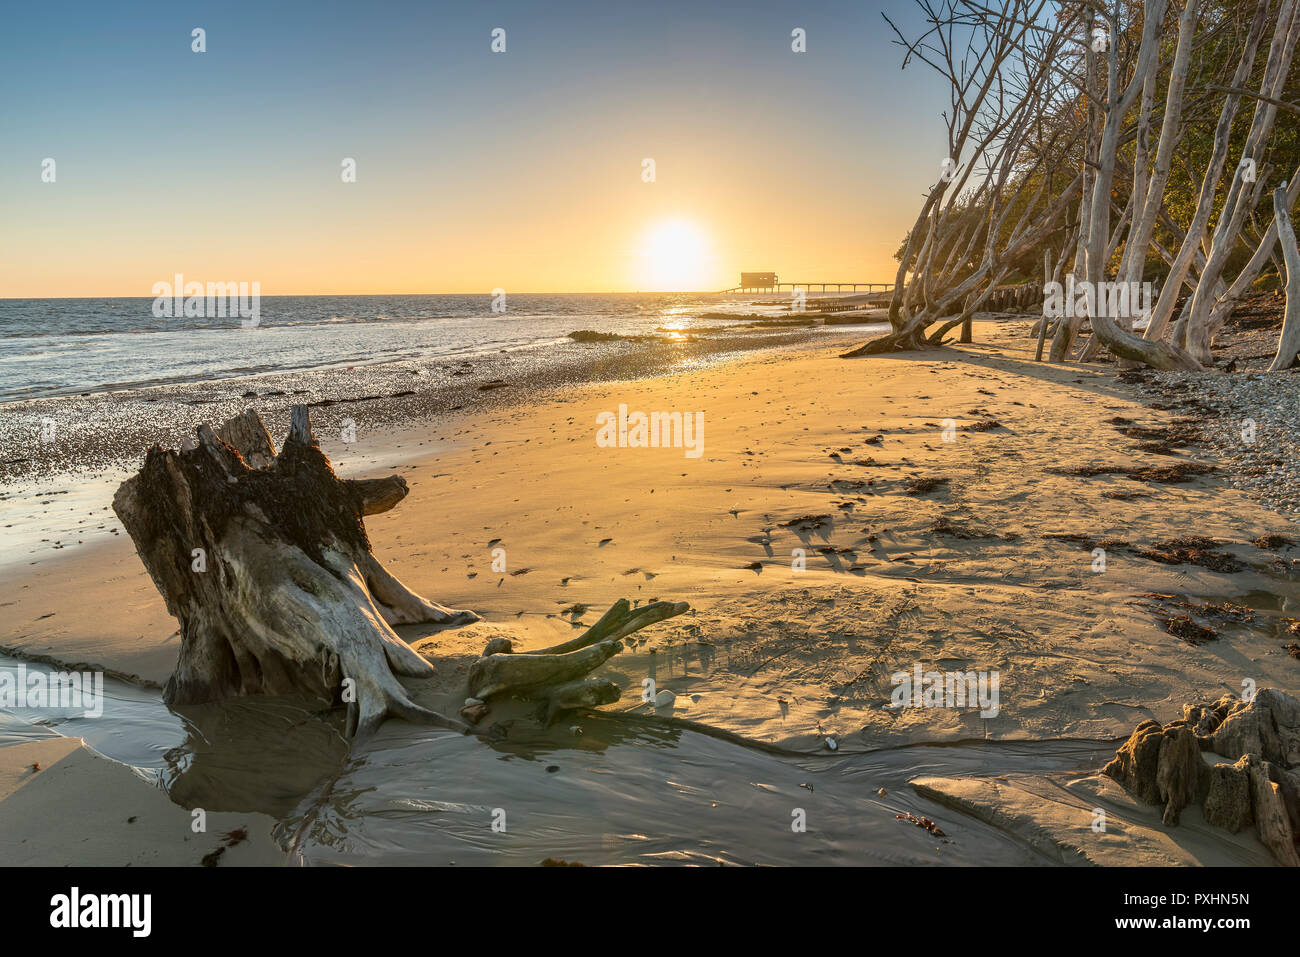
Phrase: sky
(475, 170)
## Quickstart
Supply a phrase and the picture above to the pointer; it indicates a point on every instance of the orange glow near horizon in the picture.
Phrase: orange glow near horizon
(558, 226)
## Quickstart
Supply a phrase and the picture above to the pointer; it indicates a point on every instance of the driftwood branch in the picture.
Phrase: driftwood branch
(549, 674)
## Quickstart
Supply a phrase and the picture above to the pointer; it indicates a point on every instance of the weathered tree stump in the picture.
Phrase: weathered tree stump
(1163, 765)
(264, 561)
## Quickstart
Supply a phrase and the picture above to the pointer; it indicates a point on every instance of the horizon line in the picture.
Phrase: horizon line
(489, 293)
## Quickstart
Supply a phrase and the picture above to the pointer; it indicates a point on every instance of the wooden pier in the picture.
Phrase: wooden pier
(768, 282)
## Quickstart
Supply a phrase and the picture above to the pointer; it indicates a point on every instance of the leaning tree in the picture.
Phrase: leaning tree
(1005, 188)
(264, 560)
(1115, 92)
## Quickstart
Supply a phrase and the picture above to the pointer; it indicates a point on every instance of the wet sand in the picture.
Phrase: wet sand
(47, 438)
(62, 457)
(62, 805)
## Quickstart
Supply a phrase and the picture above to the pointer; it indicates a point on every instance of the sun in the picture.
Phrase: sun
(674, 257)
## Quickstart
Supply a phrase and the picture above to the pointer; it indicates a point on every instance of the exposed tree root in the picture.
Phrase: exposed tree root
(551, 675)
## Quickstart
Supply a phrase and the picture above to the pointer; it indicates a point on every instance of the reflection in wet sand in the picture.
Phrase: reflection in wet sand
(254, 754)
(631, 793)
(600, 789)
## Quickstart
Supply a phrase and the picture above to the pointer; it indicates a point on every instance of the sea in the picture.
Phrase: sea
(51, 347)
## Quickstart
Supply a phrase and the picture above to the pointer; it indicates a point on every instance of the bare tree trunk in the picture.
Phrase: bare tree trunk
(904, 264)
(1263, 253)
(1094, 346)
(1067, 329)
(1042, 322)
(1196, 336)
(1144, 222)
(1205, 204)
(1289, 341)
(1148, 190)
(1124, 344)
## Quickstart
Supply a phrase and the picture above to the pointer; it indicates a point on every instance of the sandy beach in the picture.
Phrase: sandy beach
(846, 521)
(790, 464)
